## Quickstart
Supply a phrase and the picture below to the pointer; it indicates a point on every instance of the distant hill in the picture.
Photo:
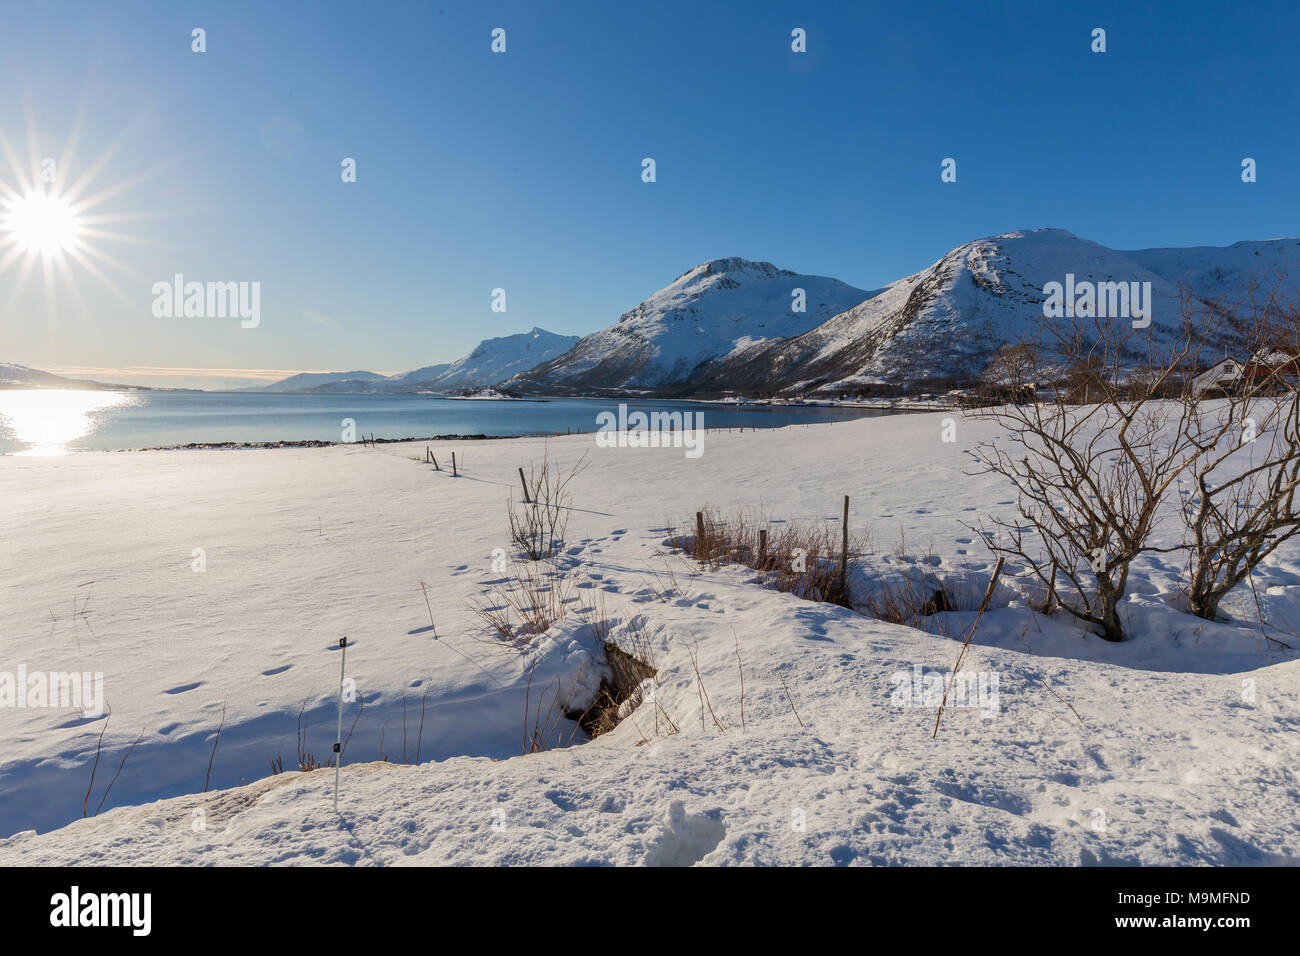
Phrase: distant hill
(305, 381)
(491, 362)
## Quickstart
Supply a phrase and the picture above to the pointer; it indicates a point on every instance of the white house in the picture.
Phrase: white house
(1221, 375)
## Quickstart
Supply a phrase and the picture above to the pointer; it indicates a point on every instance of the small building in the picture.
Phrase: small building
(1221, 377)
(1231, 374)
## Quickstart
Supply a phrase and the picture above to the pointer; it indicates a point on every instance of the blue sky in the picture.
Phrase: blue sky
(522, 170)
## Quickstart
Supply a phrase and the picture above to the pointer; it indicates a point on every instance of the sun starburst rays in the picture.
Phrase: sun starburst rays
(51, 216)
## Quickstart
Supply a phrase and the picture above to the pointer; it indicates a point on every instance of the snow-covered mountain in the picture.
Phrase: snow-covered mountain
(722, 308)
(711, 331)
(493, 361)
(20, 376)
(1226, 270)
(941, 324)
(305, 381)
(415, 376)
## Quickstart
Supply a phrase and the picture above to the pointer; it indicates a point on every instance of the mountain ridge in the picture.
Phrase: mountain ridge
(939, 326)
(732, 325)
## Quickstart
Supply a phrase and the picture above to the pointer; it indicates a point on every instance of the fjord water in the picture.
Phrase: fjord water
(56, 421)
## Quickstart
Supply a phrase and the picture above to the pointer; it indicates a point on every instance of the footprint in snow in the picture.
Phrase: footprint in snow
(612, 805)
(841, 855)
(276, 670)
(688, 837)
(560, 800)
(183, 688)
(78, 721)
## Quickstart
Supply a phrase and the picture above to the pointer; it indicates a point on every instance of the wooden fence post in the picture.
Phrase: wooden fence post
(844, 549)
(527, 500)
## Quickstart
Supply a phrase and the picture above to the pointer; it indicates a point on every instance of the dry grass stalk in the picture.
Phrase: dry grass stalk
(800, 558)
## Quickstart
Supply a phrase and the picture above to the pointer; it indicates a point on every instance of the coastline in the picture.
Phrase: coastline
(307, 443)
(752, 415)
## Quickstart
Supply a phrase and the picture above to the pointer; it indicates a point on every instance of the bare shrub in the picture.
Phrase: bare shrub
(518, 611)
(1244, 505)
(538, 525)
(1094, 457)
(307, 761)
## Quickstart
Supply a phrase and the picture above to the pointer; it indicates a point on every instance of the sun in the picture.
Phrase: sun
(54, 224)
(41, 223)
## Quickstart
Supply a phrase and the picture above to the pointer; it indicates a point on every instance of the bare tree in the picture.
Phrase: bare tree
(1244, 505)
(1094, 455)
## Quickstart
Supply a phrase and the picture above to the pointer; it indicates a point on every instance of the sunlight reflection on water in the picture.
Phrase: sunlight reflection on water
(47, 420)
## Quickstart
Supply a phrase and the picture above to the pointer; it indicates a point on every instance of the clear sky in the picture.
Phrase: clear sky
(522, 170)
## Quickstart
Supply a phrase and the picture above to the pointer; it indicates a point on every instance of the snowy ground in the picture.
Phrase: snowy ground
(1183, 749)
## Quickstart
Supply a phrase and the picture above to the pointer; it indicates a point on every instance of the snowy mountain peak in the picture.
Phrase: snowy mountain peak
(735, 267)
(495, 360)
(1045, 232)
(718, 309)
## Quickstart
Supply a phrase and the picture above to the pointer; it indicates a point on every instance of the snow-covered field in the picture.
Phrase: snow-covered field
(203, 581)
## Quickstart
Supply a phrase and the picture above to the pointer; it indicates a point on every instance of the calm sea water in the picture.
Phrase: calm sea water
(56, 421)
